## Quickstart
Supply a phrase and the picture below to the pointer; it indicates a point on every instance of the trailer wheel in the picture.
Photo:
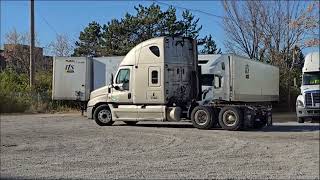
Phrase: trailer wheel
(202, 117)
(262, 123)
(269, 120)
(230, 118)
(102, 115)
(300, 120)
(130, 123)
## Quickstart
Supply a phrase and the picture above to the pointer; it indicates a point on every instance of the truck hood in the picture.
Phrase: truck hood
(99, 92)
(305, 88)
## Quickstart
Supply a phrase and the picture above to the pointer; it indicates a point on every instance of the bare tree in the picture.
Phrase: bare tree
(269, 31)
(13, 37)
(61, 46)
(16, 51)
(261, 29)
(242, 28)
(22, 38)
(309, 20)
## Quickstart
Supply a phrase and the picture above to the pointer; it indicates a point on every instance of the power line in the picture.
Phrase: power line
(190, 9)
(49, 25)
(200, 11)
(194, 10)
(53, 29)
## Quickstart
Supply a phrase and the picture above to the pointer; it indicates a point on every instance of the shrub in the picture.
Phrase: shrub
(17, 96)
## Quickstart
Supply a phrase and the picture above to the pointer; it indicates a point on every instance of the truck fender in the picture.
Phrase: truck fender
(97, 101)
(300, 98)
(190, 108)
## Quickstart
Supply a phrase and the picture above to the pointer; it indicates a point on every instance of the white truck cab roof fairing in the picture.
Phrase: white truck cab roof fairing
(311, 63)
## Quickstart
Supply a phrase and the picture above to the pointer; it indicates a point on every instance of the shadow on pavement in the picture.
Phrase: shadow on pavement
(292, 128)
(160, 125)
(274, 128)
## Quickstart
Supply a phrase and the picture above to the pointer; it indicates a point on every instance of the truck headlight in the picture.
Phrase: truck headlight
(299, 103)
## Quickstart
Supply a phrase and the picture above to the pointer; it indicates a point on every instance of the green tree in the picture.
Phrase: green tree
(89, 43)
(189, 25)
(118, 36)
(208, 45)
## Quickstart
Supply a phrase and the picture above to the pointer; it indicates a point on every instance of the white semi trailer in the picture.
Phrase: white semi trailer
(308, 103)
(75, 77)
(158, 80)
(241, 91)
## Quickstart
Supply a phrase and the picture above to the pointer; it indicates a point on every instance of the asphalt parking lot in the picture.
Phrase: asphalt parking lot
(70, 146)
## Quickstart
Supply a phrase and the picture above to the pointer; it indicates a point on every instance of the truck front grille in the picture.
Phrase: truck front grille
(312, 98)
(316, 97)
(308, 99)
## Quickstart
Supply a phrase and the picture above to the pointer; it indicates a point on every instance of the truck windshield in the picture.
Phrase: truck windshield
(311, 78)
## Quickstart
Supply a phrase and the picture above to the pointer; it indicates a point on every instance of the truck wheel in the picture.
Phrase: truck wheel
(315, 119)
(300, 120)
(102, 115)
(262, 123)
(230, 118)
(202, 117)
(130, 123)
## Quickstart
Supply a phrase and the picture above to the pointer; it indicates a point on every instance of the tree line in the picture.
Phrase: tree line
(273, 32)
(118, 36)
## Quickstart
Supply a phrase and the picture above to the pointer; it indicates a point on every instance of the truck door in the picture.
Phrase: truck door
(121, 95)
(154, 96)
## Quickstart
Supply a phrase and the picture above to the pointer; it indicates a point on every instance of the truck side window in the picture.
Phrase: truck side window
(123, 77)
(155, 50)
(154, 77)
(217, 82)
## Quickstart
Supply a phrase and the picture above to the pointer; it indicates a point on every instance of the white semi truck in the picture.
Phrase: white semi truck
(158, 80)
(308, 103)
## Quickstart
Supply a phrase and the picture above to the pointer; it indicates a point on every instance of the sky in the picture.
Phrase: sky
(71, 17)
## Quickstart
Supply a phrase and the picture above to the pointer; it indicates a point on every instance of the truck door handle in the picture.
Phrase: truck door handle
(129, 95)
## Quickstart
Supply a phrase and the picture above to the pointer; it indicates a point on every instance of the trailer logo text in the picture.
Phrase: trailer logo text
(69, 68)
(246, 71)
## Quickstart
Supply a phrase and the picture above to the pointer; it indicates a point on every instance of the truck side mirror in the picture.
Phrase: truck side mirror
(111, 80)
(117, 88)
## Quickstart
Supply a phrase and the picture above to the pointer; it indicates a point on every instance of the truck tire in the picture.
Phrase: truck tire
(315, 119)
(103, 116)
(231, 118)
(269, 120)
(202, 117)
(262, 123)
(130, 123)
(300, 120)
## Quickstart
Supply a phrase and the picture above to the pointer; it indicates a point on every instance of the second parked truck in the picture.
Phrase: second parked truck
(160, 80)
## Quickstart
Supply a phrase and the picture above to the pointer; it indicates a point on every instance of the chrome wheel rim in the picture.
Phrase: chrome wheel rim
(229, 118)
(104, 116)
(201, 117)
(269, 120)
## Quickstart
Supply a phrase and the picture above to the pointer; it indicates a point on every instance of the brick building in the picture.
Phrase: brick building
(17, 57)
(2, 60)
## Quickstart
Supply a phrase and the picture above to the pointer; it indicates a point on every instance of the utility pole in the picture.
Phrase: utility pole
(31, 67)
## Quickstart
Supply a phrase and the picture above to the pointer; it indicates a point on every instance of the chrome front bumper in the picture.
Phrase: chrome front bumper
(89, 112)
(308, 112)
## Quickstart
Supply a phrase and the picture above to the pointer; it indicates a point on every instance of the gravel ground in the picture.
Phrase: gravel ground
(70, 146)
